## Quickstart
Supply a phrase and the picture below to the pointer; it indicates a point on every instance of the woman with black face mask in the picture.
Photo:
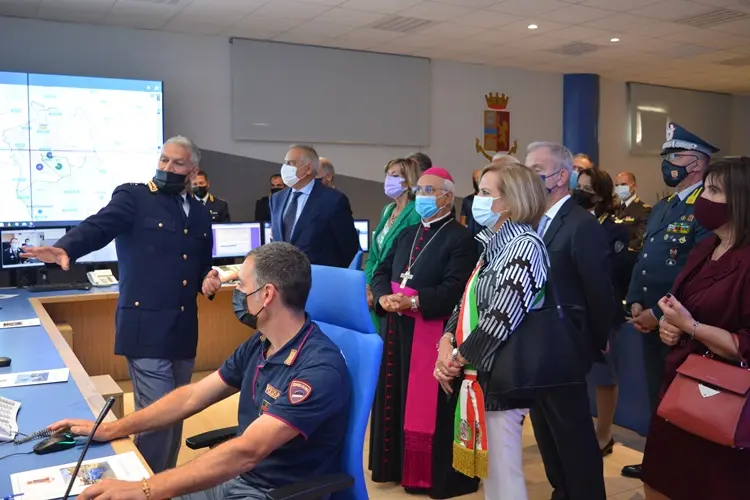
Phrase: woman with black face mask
(706, 323)
(595, 192)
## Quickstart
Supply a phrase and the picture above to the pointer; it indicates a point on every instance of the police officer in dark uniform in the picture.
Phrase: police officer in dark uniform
(218, 208)
(12, 254)
(594, 192)
(164, 241)
(295, 397)
(671, 233)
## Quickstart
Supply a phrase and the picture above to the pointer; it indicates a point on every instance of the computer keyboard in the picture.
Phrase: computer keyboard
(8, 423)
(55, 287)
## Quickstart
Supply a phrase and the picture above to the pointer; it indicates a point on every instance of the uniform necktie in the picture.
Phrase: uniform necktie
(290, 216)
(542, 225)
(183, 204)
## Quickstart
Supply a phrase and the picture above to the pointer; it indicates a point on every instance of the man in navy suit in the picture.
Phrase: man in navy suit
(313, 217)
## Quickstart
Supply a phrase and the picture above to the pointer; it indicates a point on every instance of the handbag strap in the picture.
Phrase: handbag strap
(736, 342)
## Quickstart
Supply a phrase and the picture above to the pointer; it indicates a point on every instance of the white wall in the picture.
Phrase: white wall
(740, 125)
(196, 75)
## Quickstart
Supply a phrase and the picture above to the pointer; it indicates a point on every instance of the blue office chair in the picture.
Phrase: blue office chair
(357, 261)
(338, 304)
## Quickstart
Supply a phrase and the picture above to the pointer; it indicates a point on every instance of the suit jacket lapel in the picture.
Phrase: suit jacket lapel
(277, 222)
(310, 209)
(556, 223)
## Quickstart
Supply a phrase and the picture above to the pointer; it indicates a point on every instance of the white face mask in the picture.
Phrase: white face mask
(289, 175)
(623, 192)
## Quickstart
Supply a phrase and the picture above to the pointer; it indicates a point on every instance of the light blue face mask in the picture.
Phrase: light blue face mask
(481, 210)
(573, 179)
(426, 206)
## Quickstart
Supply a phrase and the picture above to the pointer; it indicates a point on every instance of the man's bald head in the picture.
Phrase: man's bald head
(625, 178)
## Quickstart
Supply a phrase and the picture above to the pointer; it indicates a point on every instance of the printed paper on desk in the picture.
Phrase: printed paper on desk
(34, 378)
(50, 483)
(19, 323)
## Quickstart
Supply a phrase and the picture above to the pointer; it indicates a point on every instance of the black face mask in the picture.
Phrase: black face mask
(239, 304)
(200, 191)
(583, 198)
(169, 182)
(276, 190)
(673, 174)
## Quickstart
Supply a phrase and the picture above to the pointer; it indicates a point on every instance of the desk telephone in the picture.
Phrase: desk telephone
(102, 277)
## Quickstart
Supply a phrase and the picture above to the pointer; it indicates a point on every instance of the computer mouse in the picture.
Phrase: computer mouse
(57, 442)
(4, 362)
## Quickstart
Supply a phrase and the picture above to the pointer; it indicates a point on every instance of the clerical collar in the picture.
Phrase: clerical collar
(436, 221)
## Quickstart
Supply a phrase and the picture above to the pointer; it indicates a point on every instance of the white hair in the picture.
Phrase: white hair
(562, 155)
(326, 167)
(449, 186)
(309, 154)
(195, 152)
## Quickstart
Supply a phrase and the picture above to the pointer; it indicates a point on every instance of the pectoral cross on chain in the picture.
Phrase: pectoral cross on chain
(405, 276)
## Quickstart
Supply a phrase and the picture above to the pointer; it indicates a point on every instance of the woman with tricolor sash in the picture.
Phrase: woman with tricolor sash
(507, 283)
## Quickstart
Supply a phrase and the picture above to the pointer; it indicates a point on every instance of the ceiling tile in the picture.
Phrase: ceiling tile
(330, 3)
(19, 8)
(194, 27)
(583, 33)
(672, 9)
(203, 13)
(538, 42)
(575, 14)
(736, 27)
(522, 27)
(82, 5)
(292, 9)
(728, 4)
(434, 11)
(487, 19)
(71, 15)
(620, 22)
(271, 23)
(449, 30)
(682, 51)
(295, 36)
(477, 4)
(135, 21)
(495, 36)
(349, 17)
(528, 8)
(370, 36)
(717, 56)
(710, 38)
(139, 8)
(382, 6)
(618, 5)
(256, 33)
(654, 28)
(322, 29)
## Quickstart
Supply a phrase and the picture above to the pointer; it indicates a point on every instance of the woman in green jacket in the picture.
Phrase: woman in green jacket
(401, 176)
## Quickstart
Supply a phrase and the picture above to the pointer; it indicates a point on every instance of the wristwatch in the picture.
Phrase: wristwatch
(414, 306)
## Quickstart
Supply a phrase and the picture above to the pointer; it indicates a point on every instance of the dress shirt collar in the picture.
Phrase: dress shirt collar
(305, 190)
(552, 212)
(630, 200)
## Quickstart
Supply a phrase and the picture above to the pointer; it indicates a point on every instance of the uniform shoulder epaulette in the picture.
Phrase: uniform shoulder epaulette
(152, 187)
(646, 205)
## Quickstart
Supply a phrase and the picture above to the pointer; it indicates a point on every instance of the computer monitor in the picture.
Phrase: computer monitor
(101, 256)
(267, 233)
(12, 240)
(363, 228)
(235, 239)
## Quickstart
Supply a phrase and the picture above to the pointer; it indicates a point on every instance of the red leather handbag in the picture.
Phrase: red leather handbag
(709, 398)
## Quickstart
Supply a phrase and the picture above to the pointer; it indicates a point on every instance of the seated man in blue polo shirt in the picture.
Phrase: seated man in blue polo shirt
(294, 397)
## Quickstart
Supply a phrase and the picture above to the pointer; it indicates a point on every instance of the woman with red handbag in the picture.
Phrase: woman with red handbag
(697, 446)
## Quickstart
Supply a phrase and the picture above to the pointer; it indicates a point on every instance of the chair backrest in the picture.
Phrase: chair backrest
(357, 261)
(336, 304)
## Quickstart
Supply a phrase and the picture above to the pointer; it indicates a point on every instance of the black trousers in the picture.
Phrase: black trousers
(565, 435)
(654, 356)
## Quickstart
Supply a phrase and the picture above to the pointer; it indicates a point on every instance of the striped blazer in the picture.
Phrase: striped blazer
(511, 282)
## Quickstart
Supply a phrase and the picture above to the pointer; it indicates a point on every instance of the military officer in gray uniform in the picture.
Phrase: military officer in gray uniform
(671, 233)
(164, 240)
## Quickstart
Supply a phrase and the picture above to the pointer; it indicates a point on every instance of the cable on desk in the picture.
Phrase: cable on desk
(44, 433)
(14, 454)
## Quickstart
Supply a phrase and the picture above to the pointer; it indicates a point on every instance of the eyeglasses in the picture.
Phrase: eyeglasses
(673, 156)
(427, 190)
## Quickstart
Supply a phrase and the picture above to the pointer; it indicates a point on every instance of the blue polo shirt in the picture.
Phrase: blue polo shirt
(306, 385)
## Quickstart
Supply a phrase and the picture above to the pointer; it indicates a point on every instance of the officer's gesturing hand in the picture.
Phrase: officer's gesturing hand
(211, 283)
(49, 255)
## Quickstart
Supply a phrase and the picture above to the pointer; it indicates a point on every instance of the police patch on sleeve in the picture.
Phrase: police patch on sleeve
(298, 391)
(619, 245)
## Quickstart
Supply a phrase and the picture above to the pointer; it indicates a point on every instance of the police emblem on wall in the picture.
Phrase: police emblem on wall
(496, 127)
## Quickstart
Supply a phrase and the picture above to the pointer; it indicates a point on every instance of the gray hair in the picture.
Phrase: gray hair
(285, 267)
(309, 154)
(449, 186)
(180, 140)
(326, 167)
(562, 155)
